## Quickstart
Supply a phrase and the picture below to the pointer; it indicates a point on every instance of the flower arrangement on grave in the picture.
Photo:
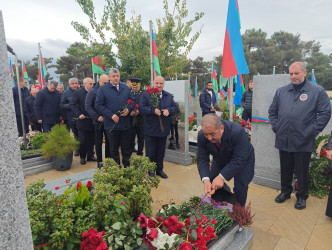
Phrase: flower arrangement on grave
(319, 170)
(33, 141)
(246, 125)
(153, 92)
(120, 112)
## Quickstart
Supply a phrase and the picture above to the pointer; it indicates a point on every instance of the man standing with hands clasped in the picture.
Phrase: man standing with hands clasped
(299, 111)
(233, 157)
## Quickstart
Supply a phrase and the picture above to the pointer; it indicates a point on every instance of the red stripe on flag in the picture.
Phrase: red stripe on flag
(154, 48)
(228, 63)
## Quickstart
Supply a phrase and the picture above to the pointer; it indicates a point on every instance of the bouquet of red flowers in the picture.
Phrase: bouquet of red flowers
(92, 240)
(120, 112)
(153, 92)
(167, 233)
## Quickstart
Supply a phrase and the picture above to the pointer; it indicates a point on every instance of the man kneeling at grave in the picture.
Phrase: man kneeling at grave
(233, 157)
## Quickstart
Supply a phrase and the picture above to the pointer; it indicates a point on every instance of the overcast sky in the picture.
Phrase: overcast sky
(49, 22)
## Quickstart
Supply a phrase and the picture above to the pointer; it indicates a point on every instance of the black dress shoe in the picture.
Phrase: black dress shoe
(83, 161)
(282, 197)
(151, 174)
(300, 204)
(77, 153)
(162, 174)
(177, 146)
(92, 158)
(100, 165)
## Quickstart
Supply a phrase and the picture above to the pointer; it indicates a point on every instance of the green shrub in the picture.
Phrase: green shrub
(38, 140)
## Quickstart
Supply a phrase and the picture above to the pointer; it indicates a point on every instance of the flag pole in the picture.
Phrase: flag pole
(230, 99)
(40, 63)
(93, 75)
(212, 72)
(151, 56)
(20, 100)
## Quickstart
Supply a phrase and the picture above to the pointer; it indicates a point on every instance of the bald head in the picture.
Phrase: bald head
(159, 83)
(103, 79)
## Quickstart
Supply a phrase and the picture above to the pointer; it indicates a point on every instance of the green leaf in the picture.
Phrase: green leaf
(118, 241)
(70, 245)
(116, 225)
(198, 216)
(193, 235)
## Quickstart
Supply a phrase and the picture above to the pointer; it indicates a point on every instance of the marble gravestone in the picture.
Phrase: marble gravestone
(267, 166)
(15, 232)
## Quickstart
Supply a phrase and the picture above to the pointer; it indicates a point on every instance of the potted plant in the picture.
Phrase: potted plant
(59, 146)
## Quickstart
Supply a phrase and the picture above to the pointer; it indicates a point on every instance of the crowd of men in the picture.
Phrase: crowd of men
(102, 111)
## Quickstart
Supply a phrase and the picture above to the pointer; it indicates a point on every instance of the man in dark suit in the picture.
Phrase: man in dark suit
(84, 122)
(29, 111)
(155, 138)
(112, 104)
(98, 121)
(136, 118)
(47, 107)
(233, 157)
(207, 100)
(24, 94)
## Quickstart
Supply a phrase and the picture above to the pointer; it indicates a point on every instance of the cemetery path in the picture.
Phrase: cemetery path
(276, 226)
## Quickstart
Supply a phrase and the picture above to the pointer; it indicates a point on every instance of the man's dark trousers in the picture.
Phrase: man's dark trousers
(86, 138)
(119, 138)
(155, 150)
(19, 125)
(99, 136)
(47, 127)
(138, 130)
(298, 163)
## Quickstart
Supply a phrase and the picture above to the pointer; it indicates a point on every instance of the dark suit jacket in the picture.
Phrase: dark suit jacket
(29, 111)
(77, 105)
(235, 158)
(205, 101)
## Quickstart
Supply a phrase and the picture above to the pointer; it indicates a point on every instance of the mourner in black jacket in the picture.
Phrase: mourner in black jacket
(155, 138)
(299, 111)
(98, 121)
(233, 157)
(207, 100)
(136, 118)
(29, 111)
(246, 102)
(47, 107)
(84, 121)
(24, 95)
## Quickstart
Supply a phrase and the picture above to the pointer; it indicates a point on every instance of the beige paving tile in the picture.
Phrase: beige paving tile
(285, 244)
(263, 240)
(321, 236)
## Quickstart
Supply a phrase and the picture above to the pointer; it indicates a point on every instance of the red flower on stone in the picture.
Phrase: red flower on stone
(89, 184)
(67, 181)
(152, 234)
(56, 188)
(78, 185)
(93, 240)
(185, 246)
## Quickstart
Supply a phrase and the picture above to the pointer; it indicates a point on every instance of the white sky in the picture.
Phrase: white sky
(49, 22)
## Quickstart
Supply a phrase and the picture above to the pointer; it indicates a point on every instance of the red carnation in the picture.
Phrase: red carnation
(154, 90)
(243, 123)
(170, 221)
(136, 106)
(130, 101)
(152, 234)
(78, 185)
(56, 188)
(143, 220)
(89, 184)
(249, 126)
(152, 223)
(185, 246)
(214, 222)
(160, 219)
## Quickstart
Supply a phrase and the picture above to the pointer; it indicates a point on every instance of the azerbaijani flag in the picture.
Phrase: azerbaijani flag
(215, 82)
(41, 71)
(196, 88)
(25, 74)
(222, 81)
(223, 93)
(11, 72)
(155, 60)
(238, 91)
(97, 66)
(233, 60)
(313, 78)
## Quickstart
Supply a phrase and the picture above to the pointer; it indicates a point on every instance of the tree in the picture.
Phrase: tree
(75, 64)
(133, 42)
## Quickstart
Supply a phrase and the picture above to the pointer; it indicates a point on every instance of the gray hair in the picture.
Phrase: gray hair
(211, 120)
(302, 64)
(114, 70)
(54, 83)
(73, 79)
(85, 80)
